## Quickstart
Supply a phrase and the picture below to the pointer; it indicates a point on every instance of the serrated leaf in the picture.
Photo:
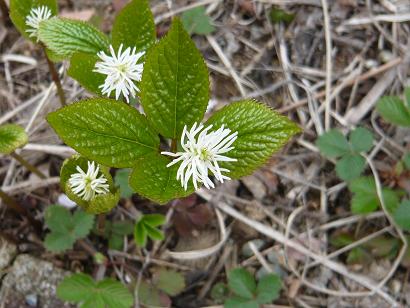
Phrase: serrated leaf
(350, 166)
(81, 69)
(242, 283)
(268, 288)
(333, 144)
(12, 137)
(83, 223)
(169, 281)
(58, 242)
(67, 36)
(76, 288)
(81, 288)
(361, 139)
(103, 203)
(175, 85)
(365, 199)
(121, 179)
(239, 302)
(152, 179)
(20, 9)
(393, 110)
(402, 215)
(134, 26)
(261, 132)
(150, 296)
(58, 218)
(196, 21)
(110, 132)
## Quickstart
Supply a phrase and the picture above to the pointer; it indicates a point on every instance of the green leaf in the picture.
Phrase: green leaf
(402, 215)
(219, 291)
(103, 203)
(76, 288)
(333, 144)
(152, 179)
(169, 281)
(81, 69)
(66, 37)
(239, 302)
(196, 21)
(242, 283)
(140, 234)
(350, 166)
(175, 85)
(361, 139)
(154, 233)
(20, 9)
(121, 179)
(150, 296)
(357, 256)
(110, 132)
(12, 137)
(365, 198)
(393, 110)
(268, 288)
(66, 228)
(154, 220)
(406, 161)
(407, 96)
(81, 288)
(134, 26)
(278, 15)
(261, 132)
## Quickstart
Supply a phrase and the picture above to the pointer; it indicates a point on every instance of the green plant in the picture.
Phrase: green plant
(83, 290)
(145, 228)
(247, 293)
(169, 281)
(115, 232)
(351, 164)
(402, 215)
(395, 110)
(12, 137)
(197, 21)
(121, 180)
(65, 228)
(278, 15)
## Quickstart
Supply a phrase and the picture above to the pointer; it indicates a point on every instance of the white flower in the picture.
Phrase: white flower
(122, 70)
(88, 185)
(36, 16)
(202, 154)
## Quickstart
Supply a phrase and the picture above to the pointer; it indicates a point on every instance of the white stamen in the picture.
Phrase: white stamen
(36, 16)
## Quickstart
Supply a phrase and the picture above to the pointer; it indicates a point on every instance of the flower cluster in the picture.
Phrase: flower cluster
(88, 185)
(202, 153)
(36, 16)
(122, 70)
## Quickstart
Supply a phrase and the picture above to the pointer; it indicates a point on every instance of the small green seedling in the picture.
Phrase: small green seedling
(278, 15)
(65, 228)
(115, 232)
(351, 164)
(196, 21)
(146, 227)
(247, 293)
(395, 110)
(81, 289)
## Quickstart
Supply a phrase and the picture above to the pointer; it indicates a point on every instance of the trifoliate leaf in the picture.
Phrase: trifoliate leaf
(350, 166)
(268, 288)
(121, 180)
(110, 132)
(20, 9)
(145, 227)
(197, 21)
(361, 139)
(134, 26)
(261, 132)
(66, 37)
(175, 85)
(66, 228)
(402, 215)
(365, 198)
(169, 281)
(81, 288)
(394, 110)
(12, 137)
(333, 144)
(81, 69)
(152, 179)
(242, 283)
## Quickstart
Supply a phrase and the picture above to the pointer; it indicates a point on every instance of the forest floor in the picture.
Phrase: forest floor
(325, 68)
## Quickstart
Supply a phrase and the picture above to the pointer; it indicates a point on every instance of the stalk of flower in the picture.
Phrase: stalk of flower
(35, 17)
(87, 185)
(122, 70)
(201, 155)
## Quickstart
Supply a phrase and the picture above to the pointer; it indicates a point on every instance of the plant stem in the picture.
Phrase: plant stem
(5, 12)
(174, 145)
(54, 76)
(29, 166)
(101, 224)
(15, 206)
